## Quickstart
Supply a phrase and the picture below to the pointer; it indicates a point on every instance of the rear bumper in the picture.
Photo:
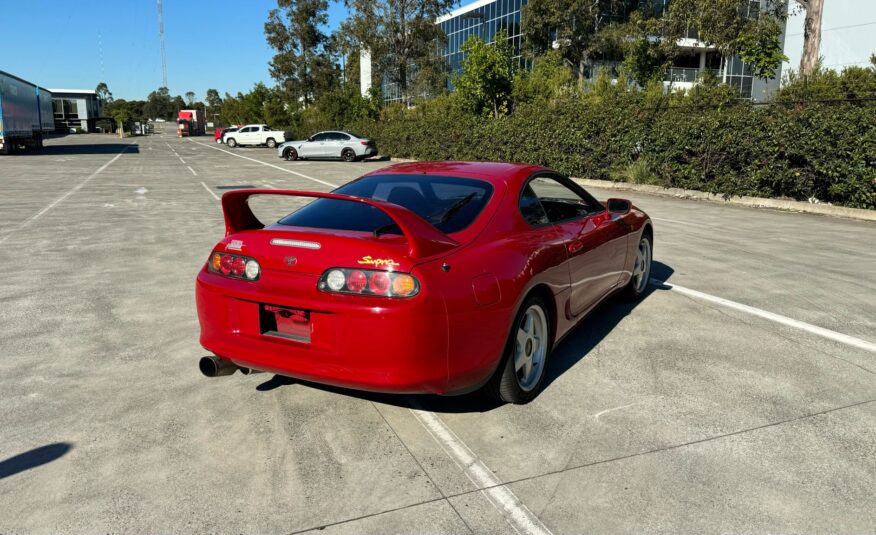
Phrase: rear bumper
(382, 345)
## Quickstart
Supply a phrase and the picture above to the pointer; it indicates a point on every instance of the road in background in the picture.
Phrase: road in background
(675, 415)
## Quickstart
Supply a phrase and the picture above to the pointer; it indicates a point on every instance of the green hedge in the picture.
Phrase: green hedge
(825, 151)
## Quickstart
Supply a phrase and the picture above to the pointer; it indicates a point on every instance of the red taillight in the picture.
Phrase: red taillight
(356, 281)
(234, 266)
(368, 282)
(238, 266)
(225, 264)
(364, 142)
(379, 283)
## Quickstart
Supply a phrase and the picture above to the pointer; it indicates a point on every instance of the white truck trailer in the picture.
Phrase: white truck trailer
(26, 114)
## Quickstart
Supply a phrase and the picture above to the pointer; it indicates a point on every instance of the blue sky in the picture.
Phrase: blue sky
(209, 43)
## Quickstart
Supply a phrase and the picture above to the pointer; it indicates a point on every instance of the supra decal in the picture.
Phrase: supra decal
(234, 245)
(378, 261)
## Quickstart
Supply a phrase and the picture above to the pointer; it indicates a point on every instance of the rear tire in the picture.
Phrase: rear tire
(635, 289)
(271, 143)
(290, 154)
(521, 372)
(231, 142)
(348, 155)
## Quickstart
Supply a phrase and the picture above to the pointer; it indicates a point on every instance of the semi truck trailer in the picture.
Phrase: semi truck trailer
(26, 114)
(191, 123)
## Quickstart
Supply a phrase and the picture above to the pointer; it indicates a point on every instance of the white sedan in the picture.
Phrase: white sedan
(331, 144)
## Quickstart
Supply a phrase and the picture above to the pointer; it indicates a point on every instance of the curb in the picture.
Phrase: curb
(751, 202)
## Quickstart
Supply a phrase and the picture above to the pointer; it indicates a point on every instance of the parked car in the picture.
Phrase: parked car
(432, 277)
(332, 144)
(254, 134)
(217, 135)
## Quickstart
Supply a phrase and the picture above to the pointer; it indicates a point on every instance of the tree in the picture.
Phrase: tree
(213, 98)
(190, 98)
(302, 64)
(401, 35)
(159, 104)
(811, 35)
(103, 93)
(485, 80)
(571, 26)
(547, 80)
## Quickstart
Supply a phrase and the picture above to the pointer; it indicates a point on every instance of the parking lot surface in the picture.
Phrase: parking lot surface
(738, 396)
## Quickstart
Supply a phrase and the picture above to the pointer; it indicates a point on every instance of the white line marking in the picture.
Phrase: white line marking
(180, 159)
(210, 191)
(784, 320)
(61, 199)
(503, 499)
(677, 222)
(606, 411)
(192, 170)
(268, 164)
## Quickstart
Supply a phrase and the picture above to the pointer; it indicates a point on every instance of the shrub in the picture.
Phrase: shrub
(821, 151)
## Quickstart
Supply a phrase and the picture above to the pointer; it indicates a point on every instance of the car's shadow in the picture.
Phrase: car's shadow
(82, 148)
(571, 350)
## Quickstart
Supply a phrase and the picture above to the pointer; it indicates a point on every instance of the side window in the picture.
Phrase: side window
(340, 136)
(531, 208)
(560, 201)
(320, 137)
(245, 130)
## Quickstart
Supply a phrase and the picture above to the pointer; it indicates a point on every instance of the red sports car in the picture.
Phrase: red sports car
(433, 277)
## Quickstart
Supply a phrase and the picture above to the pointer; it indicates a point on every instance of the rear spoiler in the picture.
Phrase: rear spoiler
(424, 240)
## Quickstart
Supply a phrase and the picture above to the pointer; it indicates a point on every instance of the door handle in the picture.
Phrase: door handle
(575, 246)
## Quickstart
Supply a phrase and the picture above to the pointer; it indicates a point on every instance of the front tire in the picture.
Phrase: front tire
(635, 289)
(521, 373)
(290, 154)
(348, 155)
(271, 143)
(231, 142)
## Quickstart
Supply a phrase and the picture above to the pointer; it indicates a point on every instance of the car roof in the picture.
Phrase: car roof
(493, 172)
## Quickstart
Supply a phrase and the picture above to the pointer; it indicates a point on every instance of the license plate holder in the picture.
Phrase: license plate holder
(285, 322)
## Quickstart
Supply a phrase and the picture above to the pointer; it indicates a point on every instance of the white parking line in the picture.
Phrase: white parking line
(210, 191)
(61, 198)
(192, 170)
(778, 318)
(678, 222)
(267, 164)
(503, 499)
(183, 161)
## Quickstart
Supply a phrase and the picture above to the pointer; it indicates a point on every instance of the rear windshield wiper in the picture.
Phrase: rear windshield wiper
(456, 207)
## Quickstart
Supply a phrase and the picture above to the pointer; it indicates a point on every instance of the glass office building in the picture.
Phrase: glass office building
(484, 18)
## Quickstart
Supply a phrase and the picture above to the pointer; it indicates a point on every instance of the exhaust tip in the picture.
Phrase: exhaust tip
(215, 367)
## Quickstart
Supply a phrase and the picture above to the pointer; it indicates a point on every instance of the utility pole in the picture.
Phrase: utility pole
(161, 40)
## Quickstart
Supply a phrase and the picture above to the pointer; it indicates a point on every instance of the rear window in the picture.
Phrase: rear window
(450, 204)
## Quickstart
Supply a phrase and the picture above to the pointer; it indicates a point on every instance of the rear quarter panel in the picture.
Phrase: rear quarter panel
(483, 287)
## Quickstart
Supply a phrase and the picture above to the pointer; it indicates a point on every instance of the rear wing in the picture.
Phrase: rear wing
(424, 240)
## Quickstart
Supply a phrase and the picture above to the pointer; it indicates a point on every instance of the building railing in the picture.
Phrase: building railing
(685, 74)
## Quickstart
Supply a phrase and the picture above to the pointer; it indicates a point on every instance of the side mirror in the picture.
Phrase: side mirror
(619, 206)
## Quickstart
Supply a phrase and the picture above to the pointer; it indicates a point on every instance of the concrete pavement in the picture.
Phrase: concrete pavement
(678, 415)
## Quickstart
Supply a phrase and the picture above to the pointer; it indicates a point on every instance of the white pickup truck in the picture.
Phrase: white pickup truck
(254, 134)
